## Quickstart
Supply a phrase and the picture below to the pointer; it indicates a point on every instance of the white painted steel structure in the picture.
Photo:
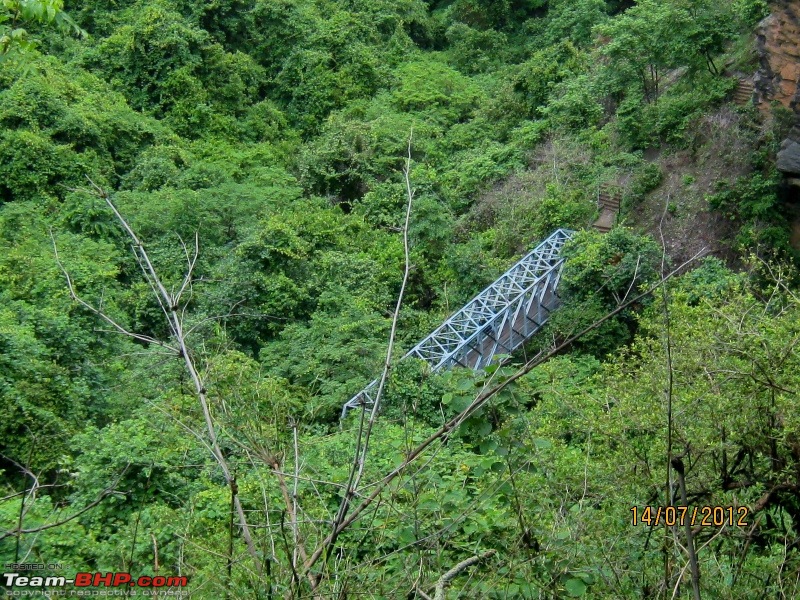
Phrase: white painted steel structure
(497, 321)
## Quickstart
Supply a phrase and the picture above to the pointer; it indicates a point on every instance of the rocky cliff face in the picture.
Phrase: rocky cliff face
(789, 155)
(779, 72)
(779, 55)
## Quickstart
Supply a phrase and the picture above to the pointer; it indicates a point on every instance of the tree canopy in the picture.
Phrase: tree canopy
(208, 213)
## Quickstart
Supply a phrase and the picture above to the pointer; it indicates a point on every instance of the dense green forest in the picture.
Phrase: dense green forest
(208, 213)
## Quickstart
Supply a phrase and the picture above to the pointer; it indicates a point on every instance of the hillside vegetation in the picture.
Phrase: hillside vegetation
(172, 392)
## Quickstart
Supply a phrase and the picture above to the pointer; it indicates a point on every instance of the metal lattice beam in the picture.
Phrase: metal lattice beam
(497, 321)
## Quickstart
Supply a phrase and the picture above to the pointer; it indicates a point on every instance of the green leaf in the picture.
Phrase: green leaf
(484, 428)
(587, 578)
(575, 587)
(465, 385)
(487, 446)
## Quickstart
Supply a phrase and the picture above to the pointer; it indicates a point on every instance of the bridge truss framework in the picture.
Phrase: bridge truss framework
(497, 321)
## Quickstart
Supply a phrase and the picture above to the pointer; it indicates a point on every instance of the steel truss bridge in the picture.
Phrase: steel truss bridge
(497, 321)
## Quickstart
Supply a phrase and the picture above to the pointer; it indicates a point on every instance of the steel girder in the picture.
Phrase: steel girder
(497, 321)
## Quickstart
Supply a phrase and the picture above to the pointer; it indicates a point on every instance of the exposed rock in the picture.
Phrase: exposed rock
(779, 72)
(778, 38)
(789, 157)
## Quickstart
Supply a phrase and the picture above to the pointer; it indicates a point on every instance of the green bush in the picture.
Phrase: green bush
(612, 266)
(601, 272)
(645, 179)
(573, 20)
(533, 219)
(476, 51)
(754, 201)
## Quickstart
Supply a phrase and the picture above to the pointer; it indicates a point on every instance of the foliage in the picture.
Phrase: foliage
(573, 20)
(601, 273)
(618, 418)
(474, 50)
(754, 200)
(536, 78)
(611, 265)
(15, 14)
(272, 137)
(670, 118)
(59, 125)
(54, 365)
(162, 62)
(645, 180)
(653, 37)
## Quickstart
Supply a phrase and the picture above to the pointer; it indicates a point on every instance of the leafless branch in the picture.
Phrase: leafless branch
(105, 493)
(27, 491)
(187, 280)
(170, 306)
(452, 573)
(119, 328)
(422, 594)
(633, 279)
(362, 447)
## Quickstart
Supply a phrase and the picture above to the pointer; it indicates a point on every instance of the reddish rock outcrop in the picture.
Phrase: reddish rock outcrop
(779, 55)
(779, 72)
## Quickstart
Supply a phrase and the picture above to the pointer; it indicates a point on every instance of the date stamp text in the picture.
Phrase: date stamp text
(704, 516)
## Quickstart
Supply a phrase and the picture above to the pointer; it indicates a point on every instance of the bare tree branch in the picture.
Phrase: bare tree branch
(362, 448)
(170, 306)
(104, 494)
(452, 573)
(119, 328)
(187, 280)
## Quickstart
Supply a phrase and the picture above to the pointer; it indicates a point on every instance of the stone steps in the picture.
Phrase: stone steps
(743, 94)
(606, 220)
(608, 201)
